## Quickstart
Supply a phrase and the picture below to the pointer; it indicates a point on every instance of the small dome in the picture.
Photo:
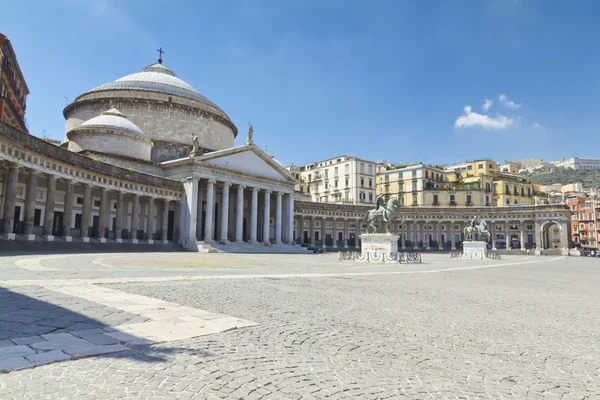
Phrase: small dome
(112, 119)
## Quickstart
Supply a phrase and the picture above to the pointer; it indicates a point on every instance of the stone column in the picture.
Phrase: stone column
(135, 218)
(30, 197)
(267, 216)
(426, 240)
(225, 212)
(189, 214)
(311, 231)
(290, 218)
(239, 214)
(439, 235)
(104, 213)
(278, 200)
(49, 212)
(150, 220)
(210, 211)
(199, 221)
(165, 221)
(403, 236)
(452, 238)
(9, 203)
(507, 235)
(68, 212)
(119, 217)
(415, 235)
(334, 233)
(86, 213)
(539, 243)
(323, 232)
(522, 234)
(493, 235)
(345, 233)
(254, 216)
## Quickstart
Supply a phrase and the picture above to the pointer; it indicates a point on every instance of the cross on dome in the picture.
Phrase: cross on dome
(160, 53)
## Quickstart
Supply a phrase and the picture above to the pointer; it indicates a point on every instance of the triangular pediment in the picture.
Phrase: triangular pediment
(248, 159)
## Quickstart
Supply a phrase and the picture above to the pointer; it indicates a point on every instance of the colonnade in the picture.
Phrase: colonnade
(139, 224)
(207, 205)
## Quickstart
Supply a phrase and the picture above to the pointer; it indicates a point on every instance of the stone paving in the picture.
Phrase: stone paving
(524, 327)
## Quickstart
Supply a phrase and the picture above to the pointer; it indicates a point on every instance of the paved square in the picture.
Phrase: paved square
(302, 326)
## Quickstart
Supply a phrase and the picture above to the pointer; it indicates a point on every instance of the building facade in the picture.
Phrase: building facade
(342, 180)
(585, 217)
(586, 164)
(13, 88)
(413, 185)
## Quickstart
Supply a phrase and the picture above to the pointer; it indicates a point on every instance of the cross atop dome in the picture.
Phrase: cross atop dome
(160, 53)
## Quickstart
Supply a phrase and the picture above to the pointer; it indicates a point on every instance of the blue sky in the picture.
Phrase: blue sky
(398, 80)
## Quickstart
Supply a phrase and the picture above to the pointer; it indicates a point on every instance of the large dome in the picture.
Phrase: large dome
(156, 78)
(168, 110)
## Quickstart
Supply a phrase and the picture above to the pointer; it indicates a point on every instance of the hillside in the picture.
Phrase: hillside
(590, 179)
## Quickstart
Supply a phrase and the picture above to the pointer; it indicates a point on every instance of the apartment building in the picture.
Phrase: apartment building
(413, 185)
(585, 217)
(343, 179)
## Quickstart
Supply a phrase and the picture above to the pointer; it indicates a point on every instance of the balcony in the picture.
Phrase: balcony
(452, 203)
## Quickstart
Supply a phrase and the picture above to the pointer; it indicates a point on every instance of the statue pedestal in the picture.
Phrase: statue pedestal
(475, 249)
(377, 244)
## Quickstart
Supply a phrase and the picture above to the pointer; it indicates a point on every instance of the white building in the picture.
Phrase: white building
(342, 179)
(579, 163)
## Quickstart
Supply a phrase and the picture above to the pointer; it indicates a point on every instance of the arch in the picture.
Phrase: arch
(551, 237)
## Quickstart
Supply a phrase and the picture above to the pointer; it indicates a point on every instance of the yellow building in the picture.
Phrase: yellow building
(501, 188)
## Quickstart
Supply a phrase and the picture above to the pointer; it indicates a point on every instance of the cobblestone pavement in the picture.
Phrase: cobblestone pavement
(524, 327)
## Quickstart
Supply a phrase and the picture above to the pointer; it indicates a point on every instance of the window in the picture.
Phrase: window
(487, 200)
(414, 199)
(435, 199)
(515, 201)
(414, 173)
(387, 178)
(326, 185)
(77, 221)
(326, 173)
(590, 215)
(581, 216)
(508, 201)
(574, 217)
(362, 182)
(591, 225)
(480, 166)
(79, 200)
(401, 187)
(336, 183)
(370, 196)
(452, 199)
(308, 189)
(362, 168)
(506, 189)
(370, 183)
(370, 170)
(346, 182)
(310, 177)
(96, 203)
(522, 191)
(469, 167)
(529, 192)
(335, 172)
(515, 190)
(426, 174)
(468, 199)
(387, 189)
(347, 169)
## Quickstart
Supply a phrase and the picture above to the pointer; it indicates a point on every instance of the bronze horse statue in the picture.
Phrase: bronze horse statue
(382, 214)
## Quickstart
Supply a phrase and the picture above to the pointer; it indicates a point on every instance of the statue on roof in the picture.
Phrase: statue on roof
(195, 147)
(250, 134)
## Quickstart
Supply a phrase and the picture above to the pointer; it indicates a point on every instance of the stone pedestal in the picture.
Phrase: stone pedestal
(150, 241)
(134, 241)
(68, 238)
(102, 240)
(377, 244)
(474, 249)
(49, 238)
(30, 237)
(119, 240)
(85, 239)
(11, 236)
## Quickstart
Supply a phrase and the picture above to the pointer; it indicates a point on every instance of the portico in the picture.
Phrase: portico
(236, 195)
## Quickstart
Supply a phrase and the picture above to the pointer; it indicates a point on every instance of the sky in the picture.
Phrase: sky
(432, 81)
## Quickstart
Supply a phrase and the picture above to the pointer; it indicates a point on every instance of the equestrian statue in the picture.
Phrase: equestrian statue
(383, 214)
(478, 227)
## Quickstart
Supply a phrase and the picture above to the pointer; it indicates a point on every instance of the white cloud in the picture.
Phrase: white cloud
(487, 103)
(537, 125)
(507, 102)
(470, 118)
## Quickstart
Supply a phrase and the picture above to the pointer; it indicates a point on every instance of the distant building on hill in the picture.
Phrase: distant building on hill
(577, 163)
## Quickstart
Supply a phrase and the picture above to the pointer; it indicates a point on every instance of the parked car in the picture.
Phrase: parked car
(315, 248)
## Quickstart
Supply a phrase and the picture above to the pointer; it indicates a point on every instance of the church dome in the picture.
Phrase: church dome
(112, 119)
(168, 110)
(160, 79)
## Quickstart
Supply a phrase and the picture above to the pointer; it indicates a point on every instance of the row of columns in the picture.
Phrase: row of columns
(193, 200)
(86, 213)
